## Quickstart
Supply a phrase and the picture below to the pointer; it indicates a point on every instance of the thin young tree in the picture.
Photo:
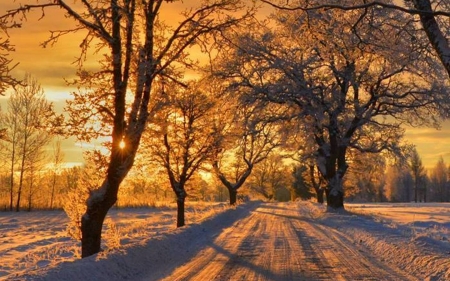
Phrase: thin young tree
(35, 162)
(138, 47)
(25, 138)
(57, 160)
(10, 144)
(30, 110)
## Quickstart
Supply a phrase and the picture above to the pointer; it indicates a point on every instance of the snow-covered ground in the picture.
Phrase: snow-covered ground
(414, 236)
(38, 241)
(258, 241)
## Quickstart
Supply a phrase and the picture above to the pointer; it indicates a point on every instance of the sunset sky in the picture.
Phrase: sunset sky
(51, 65)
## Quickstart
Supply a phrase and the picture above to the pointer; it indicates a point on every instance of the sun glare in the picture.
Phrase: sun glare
(122, 144)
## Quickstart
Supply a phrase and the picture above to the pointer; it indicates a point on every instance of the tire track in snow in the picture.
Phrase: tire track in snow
(277, 242)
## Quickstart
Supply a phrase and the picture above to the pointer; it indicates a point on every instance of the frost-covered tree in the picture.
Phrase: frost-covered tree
(247, 142)
(341, 88)
(181, 137)
(433, 15)
(138, 46)
(57, 161)
(366, 177)
(270, 178)
(399, 183)
(24, 135)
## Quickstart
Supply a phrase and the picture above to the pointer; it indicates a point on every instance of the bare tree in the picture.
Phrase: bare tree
(182, 138)
(366, 177)
(249, 141)
(34, 163)
(270, 177)
(32, 108)
(27, 110)
(342, 88)
(57, 160)
(10, 141)
(139, 47)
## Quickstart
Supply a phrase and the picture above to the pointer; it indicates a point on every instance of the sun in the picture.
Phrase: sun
(122, 144)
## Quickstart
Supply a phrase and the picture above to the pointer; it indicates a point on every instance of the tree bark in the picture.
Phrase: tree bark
(233, 196)
(180, 211)
(335, 200)
(11, 187)
(98, 204)
(320, 193)
(91, 229)
(434, 33)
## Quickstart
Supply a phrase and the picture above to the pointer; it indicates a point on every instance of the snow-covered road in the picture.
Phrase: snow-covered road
(279, 242)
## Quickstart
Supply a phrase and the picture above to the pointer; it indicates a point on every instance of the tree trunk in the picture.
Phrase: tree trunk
(335, 199)
(180, 211)
(415, 192)
(91, 229)
(233, 196)
(19, 192)
(437, 38)
(98, 204)
(320, 193)
(52, 197)
(30, 197)
(11, 187)
(11, 198)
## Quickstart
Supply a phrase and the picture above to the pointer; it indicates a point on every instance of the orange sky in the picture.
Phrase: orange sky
(50, 66)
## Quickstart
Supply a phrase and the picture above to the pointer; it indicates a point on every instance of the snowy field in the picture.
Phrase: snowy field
(143, 244)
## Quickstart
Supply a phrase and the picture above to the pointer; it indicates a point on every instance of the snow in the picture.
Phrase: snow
(413, 236)
(143, 243)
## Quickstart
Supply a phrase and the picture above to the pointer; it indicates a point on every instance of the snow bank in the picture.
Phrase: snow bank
(419, 247)
(151, 259)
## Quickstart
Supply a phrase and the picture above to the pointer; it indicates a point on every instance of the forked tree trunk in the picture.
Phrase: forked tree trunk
(233, 196)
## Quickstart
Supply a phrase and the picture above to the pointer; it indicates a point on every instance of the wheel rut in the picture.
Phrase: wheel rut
(277, 242)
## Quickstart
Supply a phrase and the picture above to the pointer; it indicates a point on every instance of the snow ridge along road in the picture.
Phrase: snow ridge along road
(282, 242)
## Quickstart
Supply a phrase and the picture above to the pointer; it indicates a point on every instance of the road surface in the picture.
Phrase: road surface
(281, 242)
